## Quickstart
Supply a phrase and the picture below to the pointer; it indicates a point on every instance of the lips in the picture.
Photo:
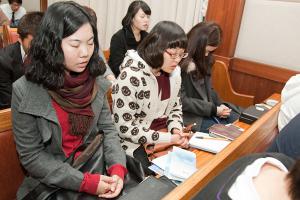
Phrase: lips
(83, 64)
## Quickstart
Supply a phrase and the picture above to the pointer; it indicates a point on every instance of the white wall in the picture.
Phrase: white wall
(270, 33)
(110, 13)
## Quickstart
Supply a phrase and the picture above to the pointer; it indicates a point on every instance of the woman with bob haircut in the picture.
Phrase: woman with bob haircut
(146, 93)
(135, 24)
(62, 124)
(200, 103)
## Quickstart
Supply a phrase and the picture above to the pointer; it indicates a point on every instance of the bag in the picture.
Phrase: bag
(151, 189)
(89, 150)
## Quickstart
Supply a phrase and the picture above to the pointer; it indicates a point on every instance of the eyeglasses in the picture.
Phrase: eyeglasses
(176, 55)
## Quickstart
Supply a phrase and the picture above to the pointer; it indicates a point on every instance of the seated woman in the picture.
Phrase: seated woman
(200, 103)
(146, 94)
(135, 24)
(59, 107)
(267, 176)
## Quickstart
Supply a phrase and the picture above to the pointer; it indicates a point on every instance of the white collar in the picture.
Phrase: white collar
(22, 51)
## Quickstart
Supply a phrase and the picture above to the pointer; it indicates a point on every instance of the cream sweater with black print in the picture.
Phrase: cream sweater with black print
(135, 101)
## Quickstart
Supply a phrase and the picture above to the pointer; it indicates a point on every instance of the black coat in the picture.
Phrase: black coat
(218, 188)
(199, 99)
(122, 41)
(11, 68)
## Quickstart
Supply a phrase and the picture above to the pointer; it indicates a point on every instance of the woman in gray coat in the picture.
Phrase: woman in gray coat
(62, 123)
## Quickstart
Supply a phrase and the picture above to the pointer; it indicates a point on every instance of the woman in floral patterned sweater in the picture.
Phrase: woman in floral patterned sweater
(146, 94)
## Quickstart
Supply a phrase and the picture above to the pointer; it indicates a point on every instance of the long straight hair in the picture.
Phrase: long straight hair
(200, 36)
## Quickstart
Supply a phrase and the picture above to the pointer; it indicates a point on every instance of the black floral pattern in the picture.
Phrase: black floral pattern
(147, 94)
(155, 136)
(175, 116)
(142, 140)
(128, 63)
(141, 95)
(127, 117)
(134, 131)
(134, 81)
(146, 74)
(141, 65)
(116, 117)
(132, 105)
(123, 129)
(123, 75)
(143, 114)
(135, 69)
(120, 103)
(126, 91)
(144, 81)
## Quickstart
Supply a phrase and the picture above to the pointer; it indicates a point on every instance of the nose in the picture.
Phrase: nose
(83, 51)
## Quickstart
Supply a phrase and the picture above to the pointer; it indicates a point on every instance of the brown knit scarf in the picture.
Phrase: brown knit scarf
(75, 98)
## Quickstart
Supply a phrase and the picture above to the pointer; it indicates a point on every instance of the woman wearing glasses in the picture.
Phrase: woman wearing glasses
(146, 94)
(200, 103)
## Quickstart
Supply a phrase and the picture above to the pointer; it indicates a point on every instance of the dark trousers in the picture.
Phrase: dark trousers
(209, 121)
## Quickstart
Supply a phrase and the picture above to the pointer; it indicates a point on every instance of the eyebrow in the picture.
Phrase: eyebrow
(76, 40)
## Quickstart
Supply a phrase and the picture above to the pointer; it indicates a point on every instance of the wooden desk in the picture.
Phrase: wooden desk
(256, 138)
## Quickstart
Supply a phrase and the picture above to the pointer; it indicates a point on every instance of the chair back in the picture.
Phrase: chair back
(10, 35)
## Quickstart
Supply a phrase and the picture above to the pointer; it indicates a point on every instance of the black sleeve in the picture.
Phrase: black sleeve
(5, 84)
(117, 52)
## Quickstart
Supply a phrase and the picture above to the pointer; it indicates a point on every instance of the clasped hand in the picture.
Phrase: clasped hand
(223, 111)
(180, 138)
(109, 187)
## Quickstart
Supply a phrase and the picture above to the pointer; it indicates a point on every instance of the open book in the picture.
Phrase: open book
(207, 143)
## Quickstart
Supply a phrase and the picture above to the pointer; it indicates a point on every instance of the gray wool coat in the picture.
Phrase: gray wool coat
(38, 137)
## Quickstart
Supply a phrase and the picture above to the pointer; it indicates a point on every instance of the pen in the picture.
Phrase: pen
(216, 119)
(210, 138)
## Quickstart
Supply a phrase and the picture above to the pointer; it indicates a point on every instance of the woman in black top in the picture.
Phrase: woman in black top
(135, 24)
(200, 102)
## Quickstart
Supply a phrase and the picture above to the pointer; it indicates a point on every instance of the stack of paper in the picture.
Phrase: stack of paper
(177, 165)
(207, 143)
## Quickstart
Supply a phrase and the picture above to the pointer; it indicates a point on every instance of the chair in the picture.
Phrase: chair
(11, 171)
(10, 35)
(222, 84)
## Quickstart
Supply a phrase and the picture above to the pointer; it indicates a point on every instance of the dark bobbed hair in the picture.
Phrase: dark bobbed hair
(29, 24)
(133, 8)
(61, 20)
(294, 181)
(201, 35)
(17, 1)
(164, 35)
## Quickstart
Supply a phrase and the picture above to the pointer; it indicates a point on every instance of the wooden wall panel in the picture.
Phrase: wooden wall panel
(43, 5)
(228, 15)
(257, 79)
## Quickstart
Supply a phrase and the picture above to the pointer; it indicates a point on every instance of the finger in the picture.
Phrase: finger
(114, 194)
(106, 179)
(114, 184)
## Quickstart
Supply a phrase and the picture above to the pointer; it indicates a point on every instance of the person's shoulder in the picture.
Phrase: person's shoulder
(7, 52)
(118, 34)
(4, 6)
(103, 83)
(22, 10)
(22, 83)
